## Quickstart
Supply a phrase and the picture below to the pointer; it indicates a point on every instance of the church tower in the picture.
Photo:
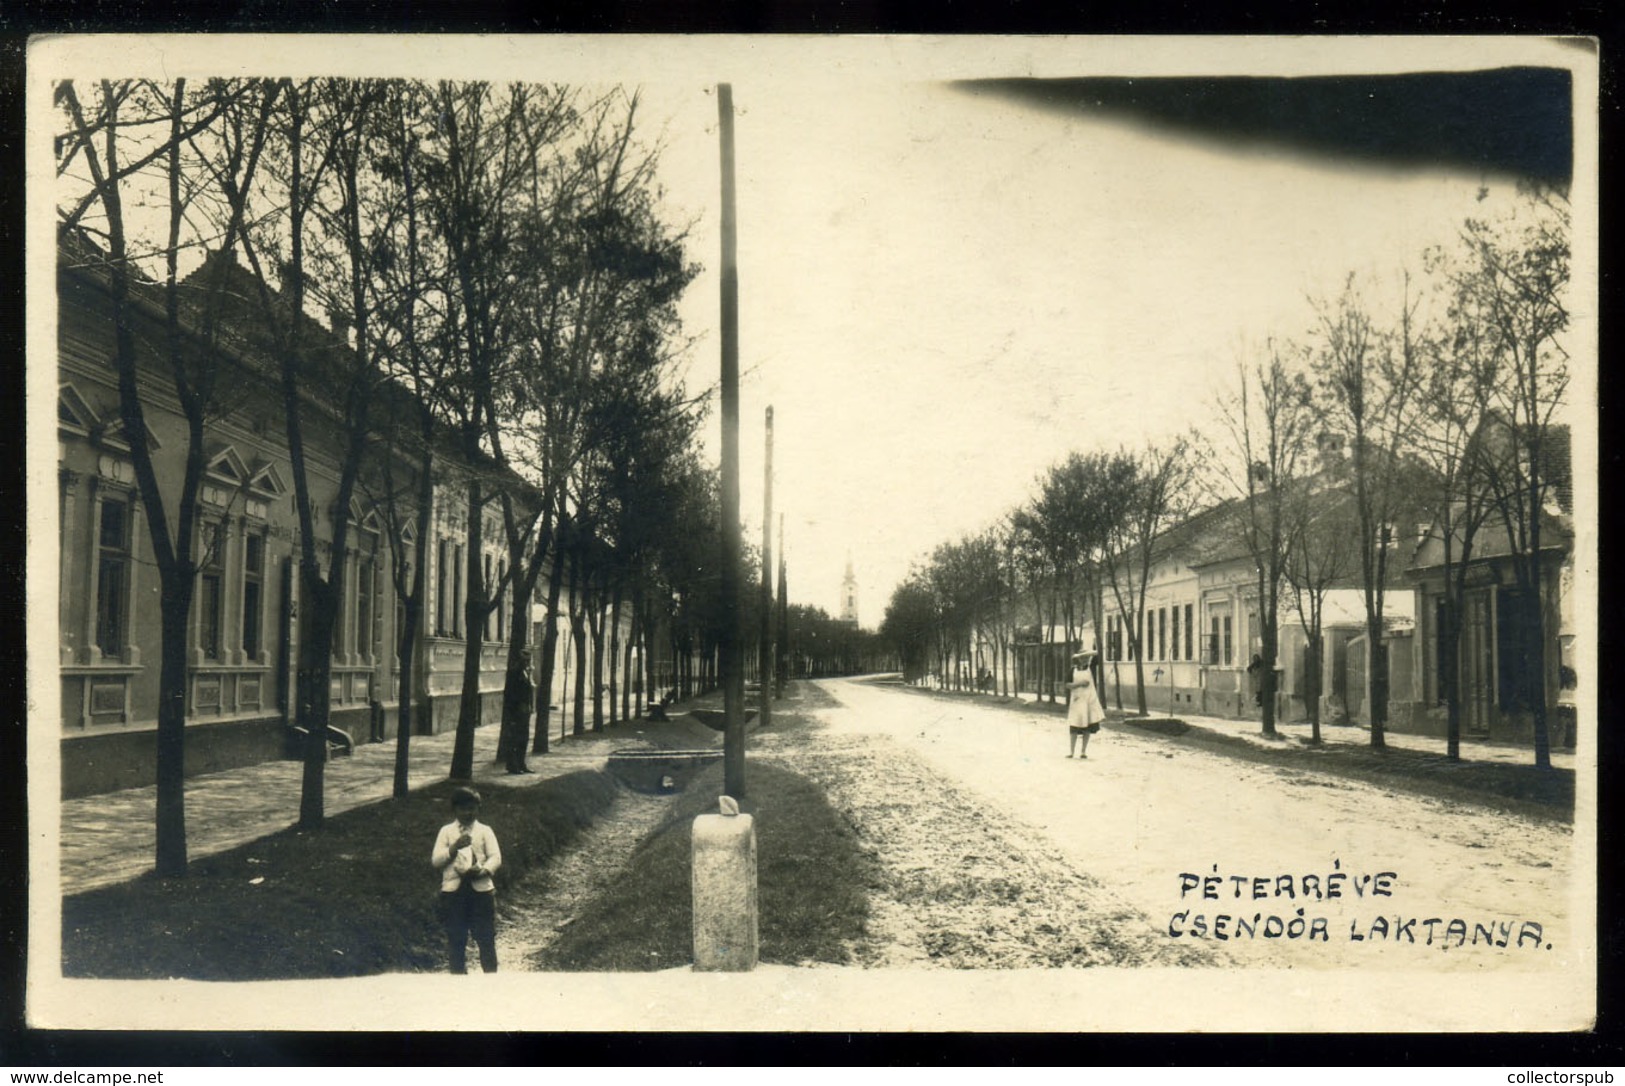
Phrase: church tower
(849, 595)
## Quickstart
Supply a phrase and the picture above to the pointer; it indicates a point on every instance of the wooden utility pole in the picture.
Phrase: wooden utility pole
(768, 654)
(733, 673)
(782, 654)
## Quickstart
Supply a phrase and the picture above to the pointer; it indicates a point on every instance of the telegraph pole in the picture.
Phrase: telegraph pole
(782, 654)
(768, 654)
(733, 673)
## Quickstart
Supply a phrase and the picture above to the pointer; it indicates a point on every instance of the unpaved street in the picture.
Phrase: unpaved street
(1145, 819)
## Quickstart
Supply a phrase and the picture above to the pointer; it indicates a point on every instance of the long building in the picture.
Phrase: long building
(245, 625)
(1201, 633)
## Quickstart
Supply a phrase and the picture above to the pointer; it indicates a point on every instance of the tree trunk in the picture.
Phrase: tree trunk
(1376, 667)
(408, 645)
(628, 651)
(615, 662)
(1139, 682)
(1449, 640)
(679, 663)
(1317, 649)
(315, 687)
(518, 697)
(469, 704)
(1450, 675)
(405, 649)
(1267, 646)
(578, 639)
(550, 648)
(1266, 679)
(674, 666)
(596, 644)
(643, 690)
(690, 683)
(1534, 585)
(652, 682)
(1535, 626)
(170, 859)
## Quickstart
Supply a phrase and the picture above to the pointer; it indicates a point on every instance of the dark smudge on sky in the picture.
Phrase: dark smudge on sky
(1504, 120)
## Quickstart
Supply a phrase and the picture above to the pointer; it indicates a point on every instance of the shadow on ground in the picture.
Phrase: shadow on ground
(1521, 789)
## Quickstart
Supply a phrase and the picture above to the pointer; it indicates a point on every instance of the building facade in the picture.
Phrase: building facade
(1201, 634)
(1500, 672)
(245, 622)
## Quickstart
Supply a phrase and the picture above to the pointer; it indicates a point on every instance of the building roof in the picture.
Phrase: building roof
(222, 309)
(1492, 540)
(1202, 538)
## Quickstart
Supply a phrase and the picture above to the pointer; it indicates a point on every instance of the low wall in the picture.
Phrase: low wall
(1417, 718)
(660, 771)
(112, 759)
(443, 710)
(1223, 697)
(115, 759)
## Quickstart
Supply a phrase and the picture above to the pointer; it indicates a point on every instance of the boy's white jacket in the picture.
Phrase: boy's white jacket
(481, 849)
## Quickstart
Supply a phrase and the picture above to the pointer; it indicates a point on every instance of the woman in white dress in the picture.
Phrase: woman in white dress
(1083, 710)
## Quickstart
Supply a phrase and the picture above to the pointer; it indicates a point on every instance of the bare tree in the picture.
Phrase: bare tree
(597, 337)
(1518, 280)
(1319, 556)
(1146, 494)
(1369, 378)
(317, 217)
(1268, 420)
(407, 326)
(113, 143)
(1063, 538)
(1458, 389)
(479, 170)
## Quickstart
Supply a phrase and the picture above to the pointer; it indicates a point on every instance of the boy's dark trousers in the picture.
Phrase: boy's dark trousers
(466, 911)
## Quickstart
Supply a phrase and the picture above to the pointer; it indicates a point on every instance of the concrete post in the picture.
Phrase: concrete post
(724, 885)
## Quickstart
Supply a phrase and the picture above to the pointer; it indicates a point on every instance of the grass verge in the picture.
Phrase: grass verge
(355, 897)
(811, 879)
(1516, 788)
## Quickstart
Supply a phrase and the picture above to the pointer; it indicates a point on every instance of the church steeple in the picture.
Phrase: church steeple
(849, 594)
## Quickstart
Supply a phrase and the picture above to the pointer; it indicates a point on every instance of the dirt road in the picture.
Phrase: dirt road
(1188, 837)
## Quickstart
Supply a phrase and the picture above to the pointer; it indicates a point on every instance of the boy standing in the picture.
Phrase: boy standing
(466, 855)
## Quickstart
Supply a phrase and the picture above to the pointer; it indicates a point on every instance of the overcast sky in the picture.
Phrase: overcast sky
(943, 291)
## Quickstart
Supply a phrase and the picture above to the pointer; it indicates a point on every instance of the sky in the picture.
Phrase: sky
(944, 291)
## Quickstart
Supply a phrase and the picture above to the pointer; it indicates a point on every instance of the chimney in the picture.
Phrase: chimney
(339, 321)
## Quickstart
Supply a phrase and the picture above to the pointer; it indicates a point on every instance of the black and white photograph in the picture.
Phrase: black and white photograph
(794, 534)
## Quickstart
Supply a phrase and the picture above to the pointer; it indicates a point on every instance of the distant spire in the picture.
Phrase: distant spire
(849, 593)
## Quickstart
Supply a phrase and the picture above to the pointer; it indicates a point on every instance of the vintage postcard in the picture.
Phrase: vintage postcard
(1009, 534)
